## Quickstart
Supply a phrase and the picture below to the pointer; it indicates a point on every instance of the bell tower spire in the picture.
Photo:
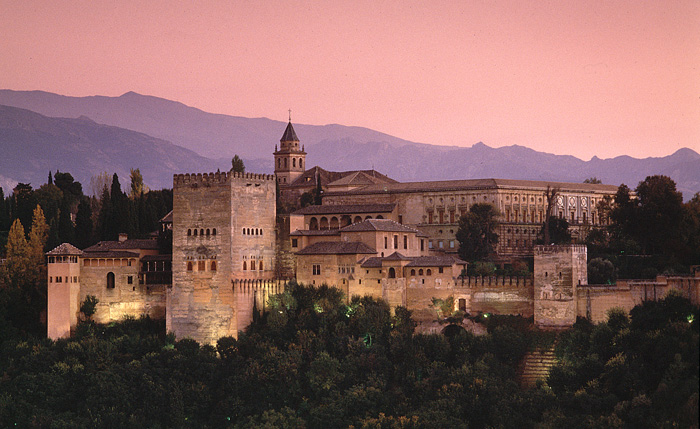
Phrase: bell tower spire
(290, 161)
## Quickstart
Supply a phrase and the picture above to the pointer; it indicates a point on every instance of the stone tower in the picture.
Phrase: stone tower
(290, 161)
(63, 269)
(559, 270)
(223, 232)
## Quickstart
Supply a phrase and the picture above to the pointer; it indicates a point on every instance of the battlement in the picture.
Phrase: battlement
(560, 248)
(217, 178)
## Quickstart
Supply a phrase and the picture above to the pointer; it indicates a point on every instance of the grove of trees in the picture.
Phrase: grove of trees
(313, 360)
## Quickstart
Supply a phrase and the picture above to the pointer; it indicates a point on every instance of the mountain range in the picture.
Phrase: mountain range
(86, 135)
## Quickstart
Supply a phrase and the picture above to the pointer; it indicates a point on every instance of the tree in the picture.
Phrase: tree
(83, 224)
(477, 233)
(600, 271)
(592, 180)
(137, 187)
(23, 203)
(659, 216)
(14, 270)
(550, 195)
(557, 229)
(237, 165)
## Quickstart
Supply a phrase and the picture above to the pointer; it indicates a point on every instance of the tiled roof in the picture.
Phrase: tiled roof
(308, 179)
(111, 254)
(396, 256)
(168, 218)
(65, 249)
(387, 225)
(315, 232)
(435, 261)
(346, 209)
(151, 258)
(458, 185)
(372, 262)
(121, 245)
(289, 134)
(361, 178)
(337, 248)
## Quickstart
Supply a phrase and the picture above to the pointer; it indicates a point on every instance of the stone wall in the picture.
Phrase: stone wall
(62, 297)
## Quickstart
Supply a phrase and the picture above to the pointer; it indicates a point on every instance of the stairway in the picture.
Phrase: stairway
(535, 366)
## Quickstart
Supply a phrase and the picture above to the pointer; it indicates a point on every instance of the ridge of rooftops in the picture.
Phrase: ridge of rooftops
(367, 225)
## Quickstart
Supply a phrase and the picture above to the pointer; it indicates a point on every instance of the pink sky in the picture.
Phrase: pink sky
(568, 77)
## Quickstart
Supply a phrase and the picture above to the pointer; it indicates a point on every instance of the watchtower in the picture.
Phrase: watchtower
(290, 161)
(63, 269)
(559, 270)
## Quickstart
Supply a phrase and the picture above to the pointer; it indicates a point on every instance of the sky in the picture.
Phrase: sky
(583, 78)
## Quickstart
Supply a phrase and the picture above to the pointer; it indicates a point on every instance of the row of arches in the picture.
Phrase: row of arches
(428, 272)
(282, 163)
(201, 266)
(252, 231)
(335, 222)
(202, 232)
(253, 266)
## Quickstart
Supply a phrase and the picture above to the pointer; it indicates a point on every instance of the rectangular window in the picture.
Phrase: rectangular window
(440, 244)
(430, 244)
(295, 242)
(401, 219)
(452, 217)
(396, 242)
(386, 243)
(201, 266)
(50, 279)
(442, 217)
(405, 242)
(440, 270)
(129, 280)
(430, 217)
(422, 245)
(452, 244)
(316, 269)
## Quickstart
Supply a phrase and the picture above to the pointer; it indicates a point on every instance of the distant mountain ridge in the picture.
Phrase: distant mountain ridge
(337, 147)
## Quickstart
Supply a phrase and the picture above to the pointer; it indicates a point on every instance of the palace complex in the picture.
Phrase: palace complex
(371, 235)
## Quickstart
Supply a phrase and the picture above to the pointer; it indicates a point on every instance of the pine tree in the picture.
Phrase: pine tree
(38, 234)
(14, 270)
(83, 224)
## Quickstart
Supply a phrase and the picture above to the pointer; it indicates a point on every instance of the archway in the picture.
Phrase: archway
(392, 273)
(313, 223)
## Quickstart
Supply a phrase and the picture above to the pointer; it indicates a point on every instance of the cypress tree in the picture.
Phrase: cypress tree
(83, 224)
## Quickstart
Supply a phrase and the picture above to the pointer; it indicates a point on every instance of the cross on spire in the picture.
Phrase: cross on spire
(290, 115)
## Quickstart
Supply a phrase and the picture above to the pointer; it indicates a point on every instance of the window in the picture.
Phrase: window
(295, 242)
(440, 270)
(413, 272)
(189, 266)
(422, 244)
(195, 232)
(50, 279)
(405, 242)
(189, 232)
(396, 242)
(129, 280)
(252, 265)
(213, 265)
(245, 266)
(110, 280)
(428, 272)
(440, 244)
(386, 242)
(430, 244)
(260, 265)
(213, 231)
(392, 273)
(201, 231)
(452, 244)
(400, 219)
(208, 232)
(201, 266)
(430, 217)
(294, 162)
(420, 272)
(59, 279)
(316, 269)
(452, 216)
(442, 217)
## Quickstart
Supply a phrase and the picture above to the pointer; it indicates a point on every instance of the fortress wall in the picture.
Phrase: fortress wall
(124, 299)
(558, 272)
(498, 299)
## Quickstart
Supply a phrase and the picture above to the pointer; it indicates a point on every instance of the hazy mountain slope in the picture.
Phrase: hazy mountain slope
(337, 147)
(33, 144)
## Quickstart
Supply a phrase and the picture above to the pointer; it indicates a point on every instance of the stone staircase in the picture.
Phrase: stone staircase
(535, 366)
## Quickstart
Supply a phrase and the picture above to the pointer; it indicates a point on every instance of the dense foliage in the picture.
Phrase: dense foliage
(477, 233)
(314, 361)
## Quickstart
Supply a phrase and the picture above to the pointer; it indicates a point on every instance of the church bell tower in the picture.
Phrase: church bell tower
(289, 159)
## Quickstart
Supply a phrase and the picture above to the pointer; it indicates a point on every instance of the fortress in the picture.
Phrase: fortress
(371, 236)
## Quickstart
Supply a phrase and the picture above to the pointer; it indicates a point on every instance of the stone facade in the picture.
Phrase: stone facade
(559, 270)
(223, 230)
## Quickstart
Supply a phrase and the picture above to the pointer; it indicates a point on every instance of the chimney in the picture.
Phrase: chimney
(123, 236)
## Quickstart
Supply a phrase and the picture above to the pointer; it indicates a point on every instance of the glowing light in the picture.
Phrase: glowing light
(690, 318)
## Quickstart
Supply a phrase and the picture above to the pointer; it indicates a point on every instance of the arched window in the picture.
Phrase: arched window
(413, 272)
(428, 272)
(260, 267)
(285, 162)
(252, 265)
(380, 217)
(279, 162)
(368, 217)
(301, 163)
(420, 272)
(208, 232)
(257, 231)
(243, 231)
(213, 265)
(392, 273)
(189, 232)
(261, 231)
(334, 223)
(213, 231)
(357, 219)
(201, 231)
(201, 265)
(294, 162)
(189, 266)
(110, 280)
(313, 223)
(195, 232)
(248, 231)
(245, 267)
(324, 223)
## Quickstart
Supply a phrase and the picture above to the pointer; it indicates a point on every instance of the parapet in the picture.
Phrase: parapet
(560, 248)
(217, 178)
